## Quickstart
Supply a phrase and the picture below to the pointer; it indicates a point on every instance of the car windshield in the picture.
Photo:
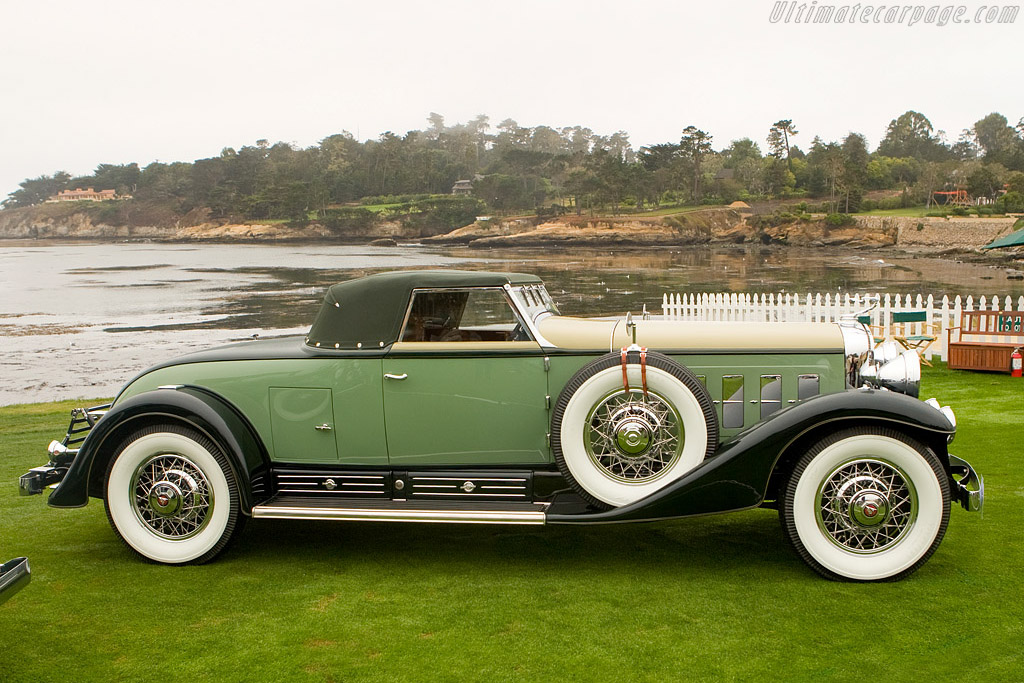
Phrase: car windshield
(534, 300)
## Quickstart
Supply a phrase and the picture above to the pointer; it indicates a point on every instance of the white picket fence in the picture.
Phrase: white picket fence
(829, 307)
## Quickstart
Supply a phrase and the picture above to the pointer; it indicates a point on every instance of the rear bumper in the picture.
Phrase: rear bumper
(968, 486)
(14, 576)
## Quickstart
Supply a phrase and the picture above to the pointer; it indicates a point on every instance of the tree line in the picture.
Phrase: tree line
(515, 168)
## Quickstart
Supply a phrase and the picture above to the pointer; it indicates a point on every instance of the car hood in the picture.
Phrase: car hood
(691, 336)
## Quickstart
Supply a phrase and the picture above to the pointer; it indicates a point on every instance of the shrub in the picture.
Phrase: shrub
(446, 213)
(348, 219)
(1011, 202)
(762, 221)
(550, 211)
(393, 199)
(839, 220)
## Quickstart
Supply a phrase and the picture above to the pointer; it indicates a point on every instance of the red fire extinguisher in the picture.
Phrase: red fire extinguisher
(1016, 363)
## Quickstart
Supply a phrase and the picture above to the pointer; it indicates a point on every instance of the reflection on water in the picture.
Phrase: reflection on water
(80, 319)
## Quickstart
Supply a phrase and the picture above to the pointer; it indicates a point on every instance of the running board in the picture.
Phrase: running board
(359, 510)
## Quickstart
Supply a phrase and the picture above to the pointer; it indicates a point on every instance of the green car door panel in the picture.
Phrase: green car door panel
(465, 407)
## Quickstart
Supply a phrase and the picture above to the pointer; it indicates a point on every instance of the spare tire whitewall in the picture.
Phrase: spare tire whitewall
(171, 495)
(866, 504)
(616, 446)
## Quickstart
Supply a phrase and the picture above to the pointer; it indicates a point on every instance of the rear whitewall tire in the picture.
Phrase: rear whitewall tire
(191, 468)
(880, 470)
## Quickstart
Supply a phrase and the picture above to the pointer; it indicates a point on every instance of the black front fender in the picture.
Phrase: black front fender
(737, 476)
(199, 408)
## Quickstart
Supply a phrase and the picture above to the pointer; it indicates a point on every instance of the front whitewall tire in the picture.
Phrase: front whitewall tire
(189, 467)
(882, 472)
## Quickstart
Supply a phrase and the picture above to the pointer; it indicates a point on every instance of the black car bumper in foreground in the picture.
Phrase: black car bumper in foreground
(14, 576)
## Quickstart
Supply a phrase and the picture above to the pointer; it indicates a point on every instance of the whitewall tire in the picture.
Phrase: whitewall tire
(171, 495)
(866, 504)
(616, 446)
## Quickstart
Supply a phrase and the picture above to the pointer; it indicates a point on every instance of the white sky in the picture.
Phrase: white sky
(85, 83)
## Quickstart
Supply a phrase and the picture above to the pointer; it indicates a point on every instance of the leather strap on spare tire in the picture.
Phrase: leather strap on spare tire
(629, 422)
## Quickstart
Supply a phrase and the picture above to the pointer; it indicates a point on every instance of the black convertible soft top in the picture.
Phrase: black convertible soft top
(367, 313)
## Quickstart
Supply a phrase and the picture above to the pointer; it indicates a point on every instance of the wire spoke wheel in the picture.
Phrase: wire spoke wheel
(172, 496)
(616, 443)
(865, 506)
(634, 438)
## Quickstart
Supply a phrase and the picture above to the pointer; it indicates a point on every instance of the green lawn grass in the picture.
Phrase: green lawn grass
(711, 598)
(916, 212)
(626, 212)
(378, 208)
(912, 211)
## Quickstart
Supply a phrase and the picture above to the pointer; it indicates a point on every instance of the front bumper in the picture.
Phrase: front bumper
(62, 453)
(968, 486)
(38, 478)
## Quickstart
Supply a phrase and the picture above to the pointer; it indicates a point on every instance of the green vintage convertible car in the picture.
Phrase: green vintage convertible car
(447, 396)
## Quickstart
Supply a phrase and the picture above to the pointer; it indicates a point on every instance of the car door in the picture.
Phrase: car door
(465, 385)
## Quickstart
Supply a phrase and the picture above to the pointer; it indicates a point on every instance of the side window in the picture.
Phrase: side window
(468, 315)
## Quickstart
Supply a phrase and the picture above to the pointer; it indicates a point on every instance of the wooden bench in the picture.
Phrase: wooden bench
(985, 340)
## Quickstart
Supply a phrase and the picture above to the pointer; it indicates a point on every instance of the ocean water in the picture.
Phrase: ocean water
(79, 319)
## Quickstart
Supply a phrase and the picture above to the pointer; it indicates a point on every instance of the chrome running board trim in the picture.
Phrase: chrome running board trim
(354, 514)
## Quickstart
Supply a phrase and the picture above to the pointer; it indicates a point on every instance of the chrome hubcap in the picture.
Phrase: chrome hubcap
(866, 506)
(869, 509)
(172, 496)
(165, 499)
(633, 439)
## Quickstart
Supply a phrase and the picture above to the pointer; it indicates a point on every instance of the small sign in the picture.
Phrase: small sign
(1010, 323)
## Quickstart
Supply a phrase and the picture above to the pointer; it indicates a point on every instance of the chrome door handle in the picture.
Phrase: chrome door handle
(388, 375)
(323, 428)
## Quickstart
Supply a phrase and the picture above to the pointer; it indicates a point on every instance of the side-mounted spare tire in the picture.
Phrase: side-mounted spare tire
(615, 446)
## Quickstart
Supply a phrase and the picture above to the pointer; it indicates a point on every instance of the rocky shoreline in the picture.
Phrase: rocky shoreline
(714, 225)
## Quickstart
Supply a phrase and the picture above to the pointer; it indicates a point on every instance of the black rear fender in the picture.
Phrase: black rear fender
(195, 407)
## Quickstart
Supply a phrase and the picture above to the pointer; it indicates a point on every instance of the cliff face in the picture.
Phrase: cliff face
(727, 226)
(54, 222)
(704, 226)
(126, 221)
(696, 227)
